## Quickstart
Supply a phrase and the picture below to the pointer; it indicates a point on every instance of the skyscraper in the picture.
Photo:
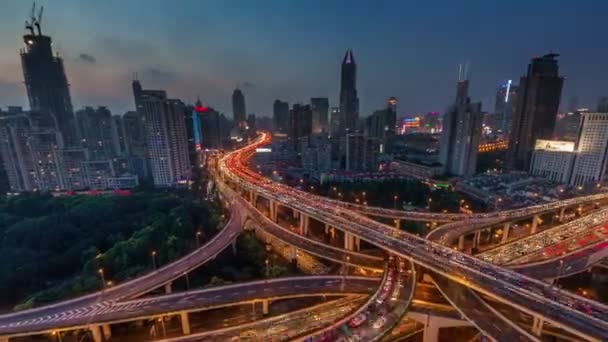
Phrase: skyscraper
(300, 123)
(461, 132)
(506, 99)
(334, 120)
(591, 149)
(280, 116)
(320, 113)
(165, 130)
(238, 108)
(46, 83)
(538, 101)
(349, 102)
(381, 124)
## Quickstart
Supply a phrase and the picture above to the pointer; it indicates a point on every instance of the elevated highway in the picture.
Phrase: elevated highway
(105, 313)
(536, 298)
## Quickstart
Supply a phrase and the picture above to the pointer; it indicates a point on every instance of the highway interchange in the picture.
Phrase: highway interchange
(574, 313)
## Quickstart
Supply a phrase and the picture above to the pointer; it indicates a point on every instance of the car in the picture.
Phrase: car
(379, 323)
(248, 334)
(358, 320)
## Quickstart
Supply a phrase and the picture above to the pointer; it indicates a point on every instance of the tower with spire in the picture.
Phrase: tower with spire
(349, 101)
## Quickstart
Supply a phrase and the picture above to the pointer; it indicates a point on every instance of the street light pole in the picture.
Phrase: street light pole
(198, 235)
(103, 278)
(154, 259)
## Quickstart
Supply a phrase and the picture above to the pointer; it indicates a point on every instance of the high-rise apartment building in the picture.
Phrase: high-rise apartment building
(300, 123)
(95, 127)
(238, 108)
(46, 83)
(166, 136)
(381, 124)
(320, 114)
(591, 149)
(119, 142)
(349, 100)
(359, 153)
(536, 110)
(461, 133)
(334, 121)
(280, 116)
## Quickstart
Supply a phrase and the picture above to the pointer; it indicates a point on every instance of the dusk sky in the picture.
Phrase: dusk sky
(292, 49)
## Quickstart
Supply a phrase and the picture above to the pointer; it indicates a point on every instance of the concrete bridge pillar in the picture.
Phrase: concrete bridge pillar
(304, 223)
(169, 287)
(535, 221)
(96, 333)
(273, 211)
(351, 242)
(327, 228)
(185, 320)
(431, 332)
(265, 307)
(397, 224)
(357, 243)
(562, 214)
(107, 331)
(293, 254)
(505, 232)
(296, 214)
(461, 243)
(476, 238)
(537, 326)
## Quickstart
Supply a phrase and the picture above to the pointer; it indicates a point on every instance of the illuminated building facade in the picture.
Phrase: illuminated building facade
(553, 159)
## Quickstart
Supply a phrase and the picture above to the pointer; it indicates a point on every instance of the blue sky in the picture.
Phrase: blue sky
(291, 49)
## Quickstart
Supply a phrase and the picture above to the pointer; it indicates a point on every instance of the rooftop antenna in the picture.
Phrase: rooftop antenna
(29, 25)
(39, 20)
(459, 71)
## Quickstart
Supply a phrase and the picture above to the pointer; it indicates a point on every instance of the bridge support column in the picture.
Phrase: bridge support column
(233, 244)
(296, 214)
(505, 232)
(357, 245)
(535, 221)
(397, 224)
(293, 254)
(476, 238)
(265, 307)
(327, 228)
(169, 287)
(431, 332)
(351, 242)
(185, 320)
(107, 331)
(461, 243)
(537, 326)
(96, 333)
(562, 214)
(304, 222)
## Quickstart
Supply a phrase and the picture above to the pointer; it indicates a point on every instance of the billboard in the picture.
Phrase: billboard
(554, 145)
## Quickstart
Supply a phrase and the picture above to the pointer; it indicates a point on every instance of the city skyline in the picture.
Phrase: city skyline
(419, 68)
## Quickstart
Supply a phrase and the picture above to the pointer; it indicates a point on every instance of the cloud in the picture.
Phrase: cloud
(247, 85)
(157, 74)
(128, 49)
(85, 58)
